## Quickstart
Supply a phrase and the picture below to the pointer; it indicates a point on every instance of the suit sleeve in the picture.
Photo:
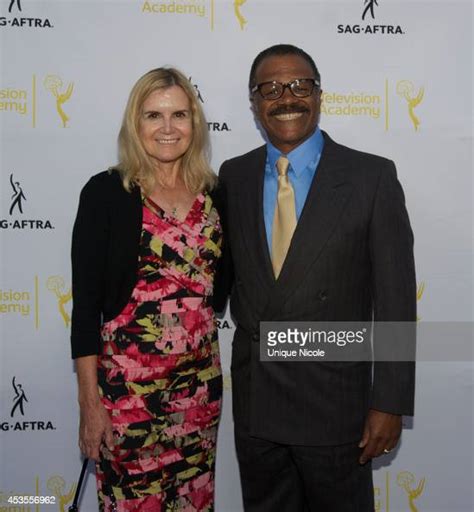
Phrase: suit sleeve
(394, 296)
(88, 256)
(224, 272)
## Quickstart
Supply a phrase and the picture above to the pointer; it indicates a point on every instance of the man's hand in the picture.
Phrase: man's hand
(95, 428)
(381, 432)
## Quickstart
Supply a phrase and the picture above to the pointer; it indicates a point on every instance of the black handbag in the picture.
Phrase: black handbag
(73, 507)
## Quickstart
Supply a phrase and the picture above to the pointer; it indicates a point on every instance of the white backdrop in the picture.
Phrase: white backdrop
(397, 84)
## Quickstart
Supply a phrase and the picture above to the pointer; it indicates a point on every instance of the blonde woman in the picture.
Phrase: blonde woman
(146, 242)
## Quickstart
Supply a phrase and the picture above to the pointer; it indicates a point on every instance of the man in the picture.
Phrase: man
(321, 234)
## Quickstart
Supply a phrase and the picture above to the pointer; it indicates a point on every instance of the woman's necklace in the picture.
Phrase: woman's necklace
(170, 200)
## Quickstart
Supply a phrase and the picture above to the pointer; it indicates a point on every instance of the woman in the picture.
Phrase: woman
(146, 241)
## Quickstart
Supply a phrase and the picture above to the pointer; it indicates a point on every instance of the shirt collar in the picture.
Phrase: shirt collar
(300, 157)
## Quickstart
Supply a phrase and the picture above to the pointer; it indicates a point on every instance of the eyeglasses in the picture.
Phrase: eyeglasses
(300, 88)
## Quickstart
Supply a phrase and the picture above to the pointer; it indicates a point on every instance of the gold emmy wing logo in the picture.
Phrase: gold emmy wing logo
(54, 84)
(227, 382)
(420, 290)
(407, 481)
(57, 485)
(237, 5)
(56, 285)
(406, 90)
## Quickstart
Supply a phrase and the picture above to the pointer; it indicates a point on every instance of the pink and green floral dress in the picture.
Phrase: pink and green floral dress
(159, 373)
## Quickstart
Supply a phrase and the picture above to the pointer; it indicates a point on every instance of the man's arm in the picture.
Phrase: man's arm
(224, 277)
(394, 296)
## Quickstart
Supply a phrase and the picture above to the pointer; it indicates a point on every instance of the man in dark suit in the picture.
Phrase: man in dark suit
(316, 232)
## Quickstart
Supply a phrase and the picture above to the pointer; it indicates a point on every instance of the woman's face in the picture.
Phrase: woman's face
(166, 127)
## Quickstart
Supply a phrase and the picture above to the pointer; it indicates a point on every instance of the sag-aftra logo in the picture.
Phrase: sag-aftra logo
(19, 17)
(369, 25)
(19, 420)
(17, 218)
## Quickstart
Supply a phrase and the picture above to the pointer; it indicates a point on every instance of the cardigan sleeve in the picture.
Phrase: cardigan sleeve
(88, 256)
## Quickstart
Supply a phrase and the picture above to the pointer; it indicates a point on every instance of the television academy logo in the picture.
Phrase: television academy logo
(57, 486)
(385, 491)
(368, 12)
(17, 200)
(212, 126)
(199, 9)
(54, 84)
(406, 91)
(18, 409)
(57, 286)
(16, 21)
(406, 480)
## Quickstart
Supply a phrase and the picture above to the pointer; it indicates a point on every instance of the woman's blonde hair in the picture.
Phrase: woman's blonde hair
(135, 166)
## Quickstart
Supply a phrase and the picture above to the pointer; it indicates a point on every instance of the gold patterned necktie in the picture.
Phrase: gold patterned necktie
(284, 221)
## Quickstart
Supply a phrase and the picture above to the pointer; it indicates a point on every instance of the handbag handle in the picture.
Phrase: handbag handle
(73, 507)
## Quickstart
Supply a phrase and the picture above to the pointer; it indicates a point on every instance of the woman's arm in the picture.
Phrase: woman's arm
(95, 425)
(88, 255)
(89, 249)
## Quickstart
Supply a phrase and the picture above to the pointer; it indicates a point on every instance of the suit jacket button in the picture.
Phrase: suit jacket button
(322, 295)
(256, 336)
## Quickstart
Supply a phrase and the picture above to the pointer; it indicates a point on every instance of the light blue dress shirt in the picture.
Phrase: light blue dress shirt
(304, 161)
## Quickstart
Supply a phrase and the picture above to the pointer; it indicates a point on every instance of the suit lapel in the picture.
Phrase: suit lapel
(251, 216)
(324, 204)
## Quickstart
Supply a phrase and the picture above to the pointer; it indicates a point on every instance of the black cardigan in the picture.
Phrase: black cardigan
(105, 245)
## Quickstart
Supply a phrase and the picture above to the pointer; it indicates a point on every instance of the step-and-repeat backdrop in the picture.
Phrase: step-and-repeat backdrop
(397, 81)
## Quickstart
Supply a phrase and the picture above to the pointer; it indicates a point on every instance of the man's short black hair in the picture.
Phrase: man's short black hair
(280, 50)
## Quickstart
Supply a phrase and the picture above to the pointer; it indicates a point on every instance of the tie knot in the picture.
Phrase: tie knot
(282, 165)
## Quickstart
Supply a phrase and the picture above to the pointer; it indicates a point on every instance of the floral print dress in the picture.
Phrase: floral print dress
(159, 373)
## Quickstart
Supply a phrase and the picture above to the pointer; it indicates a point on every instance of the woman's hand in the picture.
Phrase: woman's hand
(95, 427)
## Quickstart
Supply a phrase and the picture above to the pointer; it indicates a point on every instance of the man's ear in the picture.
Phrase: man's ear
(253, 106)
(320, 96)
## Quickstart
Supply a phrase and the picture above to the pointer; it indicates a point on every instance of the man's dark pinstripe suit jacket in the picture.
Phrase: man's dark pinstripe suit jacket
(351, 259)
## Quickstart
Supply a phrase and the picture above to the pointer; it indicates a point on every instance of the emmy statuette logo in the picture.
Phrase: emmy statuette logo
(406, 480)
(406, 90)
(420, 290)
(56, 285)
(56, 485)
(18, 196)
(19, 399)
(238, 14)
(54, 84)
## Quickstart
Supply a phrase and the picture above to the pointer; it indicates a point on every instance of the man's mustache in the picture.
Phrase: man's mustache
(292, 108)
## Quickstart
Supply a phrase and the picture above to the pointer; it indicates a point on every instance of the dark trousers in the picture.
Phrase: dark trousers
(285, 478)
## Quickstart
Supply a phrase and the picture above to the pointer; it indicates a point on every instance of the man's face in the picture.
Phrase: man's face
(288, 121)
